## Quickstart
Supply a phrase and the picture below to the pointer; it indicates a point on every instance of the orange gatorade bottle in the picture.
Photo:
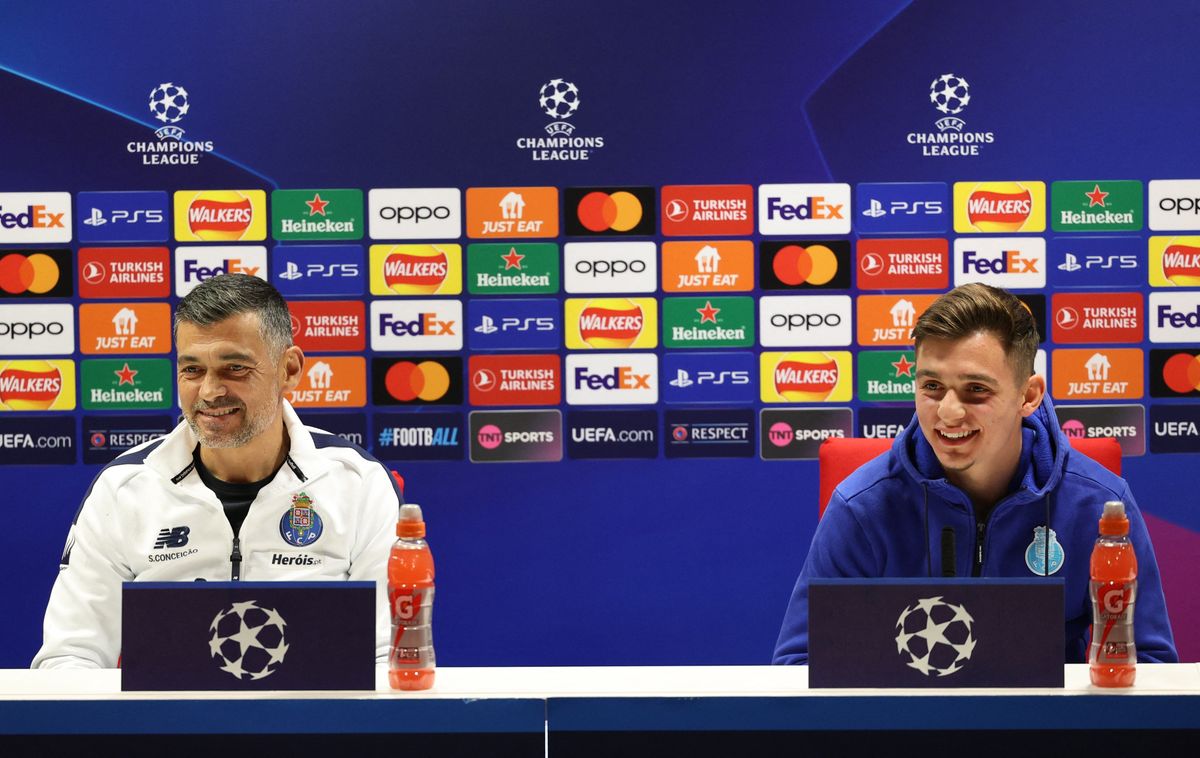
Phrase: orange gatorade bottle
(410, 595)
(1114, 589)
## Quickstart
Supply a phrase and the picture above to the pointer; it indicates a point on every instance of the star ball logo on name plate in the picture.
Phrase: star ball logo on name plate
(220, 215)
(708, 266)
(529, 268)
(999, 207)
(126, 384)
(106, 437)
(36, 273)
(817, 377)
(416, 269)
(1096, 206)
(331, 382)
(406, 214)
(724, 377)
(247, 640)
(1174, 316)
(950, 95)
(1102, 373)
(124, 328)
(123, 217)
(804, 320)
(559, 99)
(516, 436)
(887, 376)
(1127, 423)
(121, 272)
(1099, 317)
(301, 525)
(35, 218)
(330, 214)
(403, 325)
(41, 329)
(611, 434)
(37, 385)
(37, 441)
(197, 264)
(903, 264)
(1174, 261)
(901, 207)
(515, 379)
(417, 380)
(1095, 261)
(791, 434)
(1175, 428)
(803, 209)
(612, 379)
(935, 636)
(1008, 262)
(610, 211)
(529, 324)
(169, 103)
(889, 319)
(703, 210)
(307, 270)
(708, 433)
(610, 267)
(1174, 204)
(611, 323)
(823, 264)
(512, 212)
(424, 436)
(329, 325)
(708, 322)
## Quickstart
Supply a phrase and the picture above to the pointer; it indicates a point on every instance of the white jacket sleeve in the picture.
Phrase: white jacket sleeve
(372, 546)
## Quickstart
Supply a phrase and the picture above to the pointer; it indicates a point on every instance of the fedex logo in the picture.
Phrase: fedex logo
(425, 323)
(1011, 262)
(196, 264)
(416, 325)
(813, 207)
(35, 217)
(804, 208)
(619, 378)
(612, 379)
(194, 271)
(1175, 316)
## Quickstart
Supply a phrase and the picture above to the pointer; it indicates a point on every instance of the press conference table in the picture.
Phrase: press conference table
(592, 711)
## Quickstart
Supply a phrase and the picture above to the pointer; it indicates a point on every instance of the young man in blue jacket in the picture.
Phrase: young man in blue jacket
(986, 457)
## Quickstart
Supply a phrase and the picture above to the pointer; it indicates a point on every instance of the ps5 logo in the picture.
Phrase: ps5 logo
(683, 378)
(318, 271)
(903, 208)
(514, 324)
(147, 216)
(1071, 262)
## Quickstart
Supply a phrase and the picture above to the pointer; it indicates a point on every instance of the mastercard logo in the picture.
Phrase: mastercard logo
(220, 215)
(602, 211)
(1180, 263)
(1181, 373)
(806, 377)
(36, 274)
(29, 385)
(611, 323)
(815, 264)
(416, 271)
(407, 381)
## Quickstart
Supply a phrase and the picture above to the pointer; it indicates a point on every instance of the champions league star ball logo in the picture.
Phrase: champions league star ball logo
(559, 99)
(247, 640)
(950, 94)
(935, 636)
(169, 104)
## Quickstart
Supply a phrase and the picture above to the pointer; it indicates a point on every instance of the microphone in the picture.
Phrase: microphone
(948, 557)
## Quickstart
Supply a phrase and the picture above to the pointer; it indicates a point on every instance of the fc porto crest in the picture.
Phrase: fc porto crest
(301, 524)
(1035, 554)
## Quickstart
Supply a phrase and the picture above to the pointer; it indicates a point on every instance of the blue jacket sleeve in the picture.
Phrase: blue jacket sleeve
(1151, 625)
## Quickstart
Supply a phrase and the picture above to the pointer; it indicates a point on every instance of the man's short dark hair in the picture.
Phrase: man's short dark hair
(226, 295)
(973, 308)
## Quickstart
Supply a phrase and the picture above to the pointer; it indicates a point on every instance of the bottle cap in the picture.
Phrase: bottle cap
(411, 523)
(1113, 520)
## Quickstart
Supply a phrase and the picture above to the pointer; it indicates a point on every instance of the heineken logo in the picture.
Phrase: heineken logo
(126, 384)
(1096, 206)
(708, 322)
(887, 376)
(495, 269)
(327, 214)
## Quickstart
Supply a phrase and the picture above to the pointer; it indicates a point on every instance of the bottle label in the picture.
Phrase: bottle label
(412, 631)
(1112, 627)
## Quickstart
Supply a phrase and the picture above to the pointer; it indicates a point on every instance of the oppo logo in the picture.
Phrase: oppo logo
(414, 213)
(804, 321)
(29, 329)
(610, 268)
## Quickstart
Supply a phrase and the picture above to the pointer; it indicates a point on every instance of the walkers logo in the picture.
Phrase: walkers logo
(123, 217)
(416, 269)
(35, 217)
(1094, 261)
(889, 319)
(1174, 262)
(708, 321)
(996, 207)
(403, 325)
(516, 436)
(887, 376)
(701, 210)
(796, 434)
(559, 99)
(320, 326)
(331, 382)
(1174, 316)
(950, 94)
(1174, 373)
(917, 264)
(1174, 204)
(406, 214)
(804, 265)
(1174, 428)
(126, 384)
(612, 434)
(521, 269)
(220, 215)
(106, 437)
(1008, 262)
(1127, 423)
(418, 436)
(715, 433)
(515, 379)
(534, 324)
(37, 441)
(512, 212)
(37, 385)
(610, 267)
(610, 211)
(168, 104)
(306, 270)
(45, 273)
(708, 266)
(37, 329)
(804, 209)
(1097, 374)
(611, 323)
(124, 328)
(330, 214)
(1098, 317)
(883, 422)
(725, 377)
(196, 264)
(806, 377)
(804, 320)
(417, 381)
(902, 207)
(1096, 206)
(118, 272)
(612, 379)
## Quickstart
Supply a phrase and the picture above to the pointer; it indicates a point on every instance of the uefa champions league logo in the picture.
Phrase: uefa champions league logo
(934, 637)
(559, 99)
(169, 104)
(247, 640)
(950, 94)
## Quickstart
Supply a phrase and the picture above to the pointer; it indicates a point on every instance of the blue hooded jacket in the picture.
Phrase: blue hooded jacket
(875, 526)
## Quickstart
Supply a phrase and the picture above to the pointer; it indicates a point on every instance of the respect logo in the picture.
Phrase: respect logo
(608, 323)
(816, 377)
(993, 207)
(37, 385)
(416, 269)
(220, 215)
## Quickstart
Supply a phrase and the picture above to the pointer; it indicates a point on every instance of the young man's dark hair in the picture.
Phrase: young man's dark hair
(975, 308)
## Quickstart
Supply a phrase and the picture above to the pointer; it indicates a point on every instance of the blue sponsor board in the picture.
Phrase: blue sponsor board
(709, 377)
(791, 434)
(351, 427)
(902, 208)
(1096, 262)
(318, 270)
(532, 324)
(106, 437)
(123, 217)
(418, 436)
(709, 433)
(1175, 428)
(29, 440)
(876, 422)
(612, 434)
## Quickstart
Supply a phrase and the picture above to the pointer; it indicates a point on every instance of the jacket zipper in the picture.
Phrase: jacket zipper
(235, 559)
(980, 535)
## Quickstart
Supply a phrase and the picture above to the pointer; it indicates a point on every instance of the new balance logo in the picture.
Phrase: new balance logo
(173, 537)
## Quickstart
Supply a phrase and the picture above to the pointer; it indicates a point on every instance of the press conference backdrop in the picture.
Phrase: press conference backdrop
(596, 278)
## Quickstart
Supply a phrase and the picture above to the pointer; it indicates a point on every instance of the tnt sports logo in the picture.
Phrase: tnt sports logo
(197, 264)
(997, 207)
(791, 265)
(416, 269)
(1009, 262)
(804, 320)
(804, 209)
(37, 385)
(37, 218)
(247, 640)
(42, 274)
(301, 525)
(935, 637)
(220, 215)
(610, 267)
(611, 323)
(823, 377)
(1174, 261)
(511, 436)
(416, 325)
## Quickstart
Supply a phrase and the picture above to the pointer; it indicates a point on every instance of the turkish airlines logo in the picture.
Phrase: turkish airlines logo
(328, 325)
(28, 217)
(40, 274)
(995, 207)
(124, 272)
(1097, 317)
(903, 264)
(220, 215)
(515, 380)
(700, 210)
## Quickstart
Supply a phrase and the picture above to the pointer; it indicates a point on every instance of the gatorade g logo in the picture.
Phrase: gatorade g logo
(1114, 599)
(29, 385)
(806, 377)
(406, 607)
(220, 215)
(611, 323)
(416, 271)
